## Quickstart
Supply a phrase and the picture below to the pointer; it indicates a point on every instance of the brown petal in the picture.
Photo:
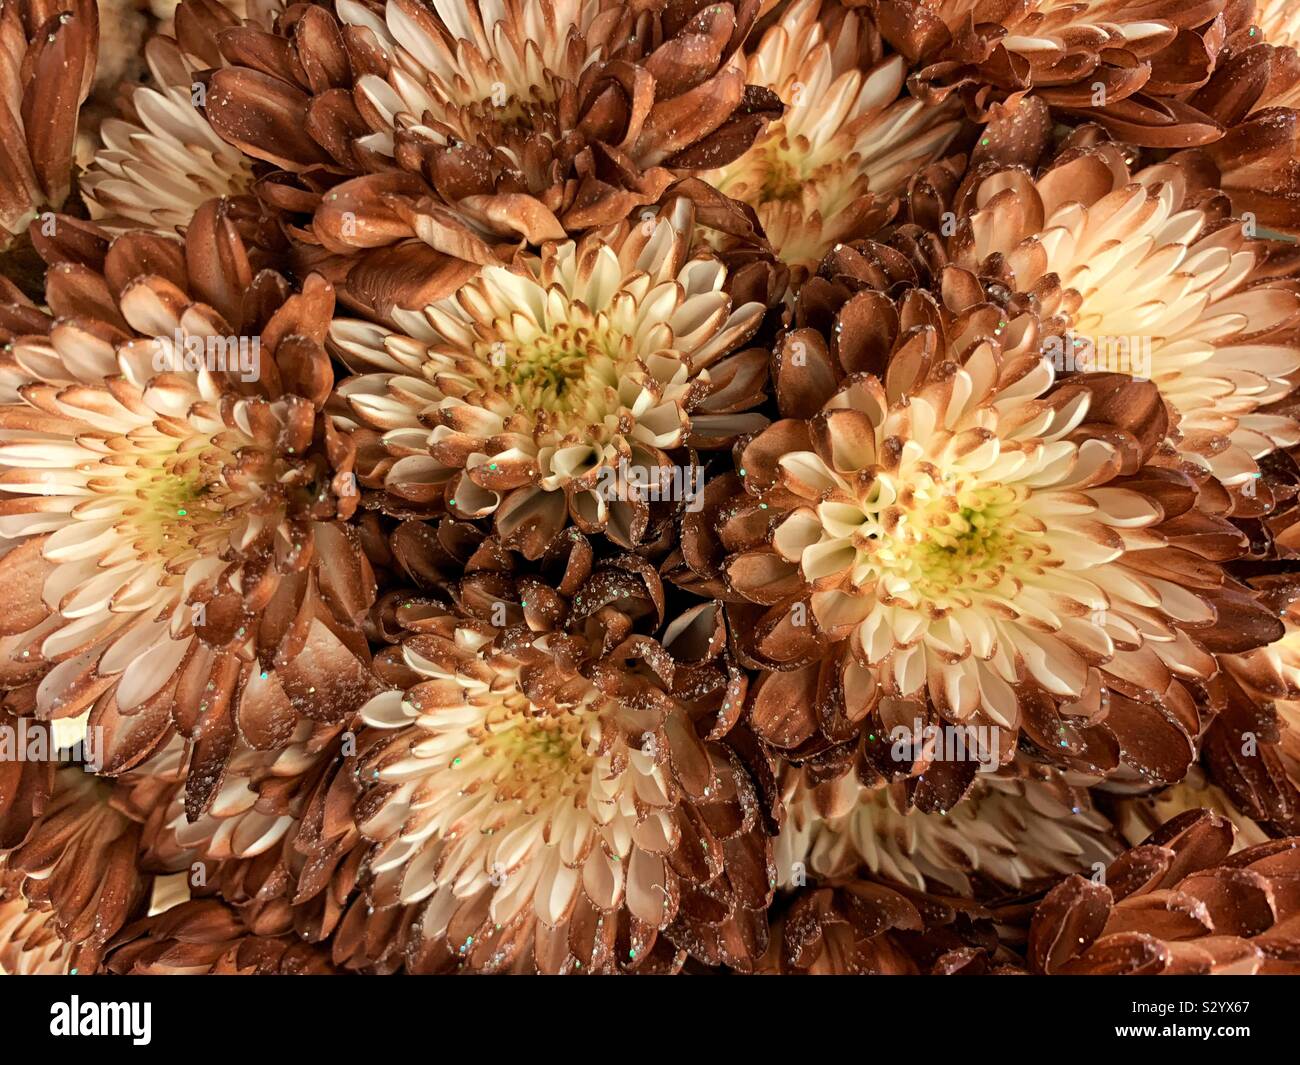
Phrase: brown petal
(263, 116)
(1066, 922)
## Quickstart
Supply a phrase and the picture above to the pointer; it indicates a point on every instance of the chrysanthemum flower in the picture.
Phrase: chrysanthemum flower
(1006, 836)
(1149, 278)
(1127, 64)
(978, 540)
(548, 804)
(1179, 904)
(826, 170)
(47, 66)
(470, 125)
(162, 161)
(172, 502)
(551, 392)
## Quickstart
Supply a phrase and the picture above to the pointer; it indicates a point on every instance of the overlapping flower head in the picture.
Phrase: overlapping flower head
(857, 927)
(575, 486)
(1178, 904)
(411, 143)
(162, 161)
(556, 794)
(530, 395)
(1148, 274)
(202, 937)
(1005, 835)
(70, 876)
(826, 170)
(174, 501)
(1129, 64)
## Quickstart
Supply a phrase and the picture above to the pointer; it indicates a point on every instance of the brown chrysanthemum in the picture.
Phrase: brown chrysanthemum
(552, 391)
(205, 938)
(1128, 64)
(1180, 903)
(418, 140)
(47, 66)
(856, 927)
(278, 843)
(1254, 95)
(970, 541)
(1253, 747)
(76, 865)
(543, 799)
(173, 501)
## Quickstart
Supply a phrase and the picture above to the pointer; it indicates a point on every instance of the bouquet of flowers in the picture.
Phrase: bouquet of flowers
(650, 486)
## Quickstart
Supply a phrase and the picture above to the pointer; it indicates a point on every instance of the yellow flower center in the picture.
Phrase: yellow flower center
(176, 499)
(782, 173)
(533, 754)
(939, 537)
(568, 373)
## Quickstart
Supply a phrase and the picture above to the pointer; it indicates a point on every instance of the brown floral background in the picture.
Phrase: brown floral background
(650, 486)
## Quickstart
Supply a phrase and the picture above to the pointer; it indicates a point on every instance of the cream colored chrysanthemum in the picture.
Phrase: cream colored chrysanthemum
(1009, 832)
(512, 794)
(121, 510)
(537, 382)
(965, 540)
(157, 172)
(490, 794)
(1153, 288)
(848, 133)
(538, 800)
(483, 68)
(154, 510)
